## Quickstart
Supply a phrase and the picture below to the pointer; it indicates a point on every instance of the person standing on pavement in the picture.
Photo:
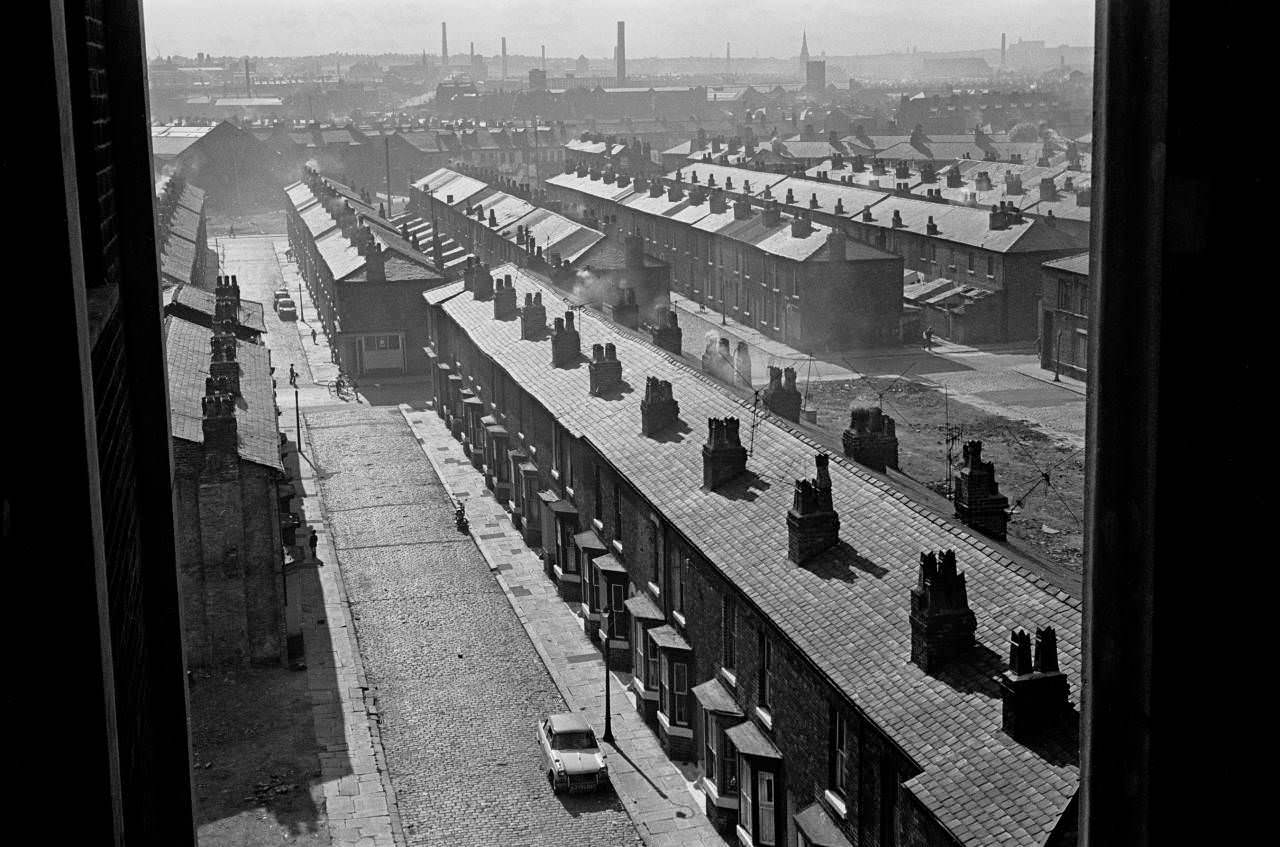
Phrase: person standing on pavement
(928, 338)
(293, 376)
(314, 541)
(313, 336)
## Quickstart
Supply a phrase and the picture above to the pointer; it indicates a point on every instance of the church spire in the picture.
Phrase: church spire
(804, 45)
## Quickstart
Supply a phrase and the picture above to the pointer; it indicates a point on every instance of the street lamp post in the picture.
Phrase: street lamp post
(608, 715)
(1057, 357)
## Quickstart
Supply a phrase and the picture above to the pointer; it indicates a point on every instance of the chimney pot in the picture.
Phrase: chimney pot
(942, 624)
(659, 409)
(1034, 693)
(978, 501)
(813, 527)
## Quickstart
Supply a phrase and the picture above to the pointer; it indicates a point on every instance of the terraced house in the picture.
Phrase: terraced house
(793, 278)
(844, 666)
(589, 264)
(185, 257)
(365, 274)
(981, 266)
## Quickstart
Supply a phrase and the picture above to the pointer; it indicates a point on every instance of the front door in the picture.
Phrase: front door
(765, 803)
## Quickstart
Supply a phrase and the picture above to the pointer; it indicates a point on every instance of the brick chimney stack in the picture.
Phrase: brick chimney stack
(871, 439)
(723, 456)
(469, 274)
(566, 343)
(668, 334)
(484, 284)
(223, 365)
(533, 317)
(772, 213)
(942, 624)
(625, 312)
(218, 421)
(1035, 694)
(979, 503)
(604, 370)
(504, 300)
(781, 396)
(226, 304)
(1048, 191)
(812, 523)
(658, 409)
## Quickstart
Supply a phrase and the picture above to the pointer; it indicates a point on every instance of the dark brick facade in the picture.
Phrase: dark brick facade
(229, 543)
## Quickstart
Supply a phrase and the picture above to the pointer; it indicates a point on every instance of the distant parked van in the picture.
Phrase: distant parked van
(286, 309)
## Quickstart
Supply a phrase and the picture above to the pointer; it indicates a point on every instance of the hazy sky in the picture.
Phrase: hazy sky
(570, 27)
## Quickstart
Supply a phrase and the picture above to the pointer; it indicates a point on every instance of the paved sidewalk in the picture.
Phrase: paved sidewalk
(661, 802)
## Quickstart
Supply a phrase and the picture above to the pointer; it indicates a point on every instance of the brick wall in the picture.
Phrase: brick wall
(231, 557)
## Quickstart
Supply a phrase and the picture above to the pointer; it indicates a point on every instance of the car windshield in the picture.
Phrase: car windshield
(573, 741)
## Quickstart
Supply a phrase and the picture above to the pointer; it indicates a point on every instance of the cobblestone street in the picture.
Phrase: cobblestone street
(458, 686)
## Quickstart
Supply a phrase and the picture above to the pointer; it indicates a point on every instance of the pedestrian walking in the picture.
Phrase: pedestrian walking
(313, 336)
(314, 541)
(233, 230)
(928, 338)
(293, 376)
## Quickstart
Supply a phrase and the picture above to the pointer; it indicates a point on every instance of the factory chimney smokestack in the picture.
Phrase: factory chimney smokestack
(248, 86)
(1002, 45)
(504, 57)
(444, 45)
(622, 53)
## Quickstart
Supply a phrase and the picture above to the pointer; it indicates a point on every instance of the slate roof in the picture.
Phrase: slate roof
(300, 196)
(187, 354)
(249, 315)
(192, 198)
(317, 220)
(758, 179)
(846, 612)
(1078, 264)
(507, 208)
(594, 187)
(953, 150)
(443, 182)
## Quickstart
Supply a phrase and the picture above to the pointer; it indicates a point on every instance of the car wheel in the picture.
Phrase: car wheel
(551, 780)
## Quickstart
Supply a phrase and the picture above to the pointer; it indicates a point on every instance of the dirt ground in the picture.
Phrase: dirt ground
(255, 759)
(1048, 523)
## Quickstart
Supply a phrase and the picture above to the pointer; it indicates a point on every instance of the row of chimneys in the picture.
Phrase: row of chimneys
(1034, 691)
(222, 386)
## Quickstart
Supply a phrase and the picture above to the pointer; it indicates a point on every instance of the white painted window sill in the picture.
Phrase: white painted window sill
(673, 730)
(835, 803)
(565, 576)
(723, 801)
(729, 678)
(765, 718)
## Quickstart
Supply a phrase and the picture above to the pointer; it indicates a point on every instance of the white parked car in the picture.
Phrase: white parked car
(571, 755)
